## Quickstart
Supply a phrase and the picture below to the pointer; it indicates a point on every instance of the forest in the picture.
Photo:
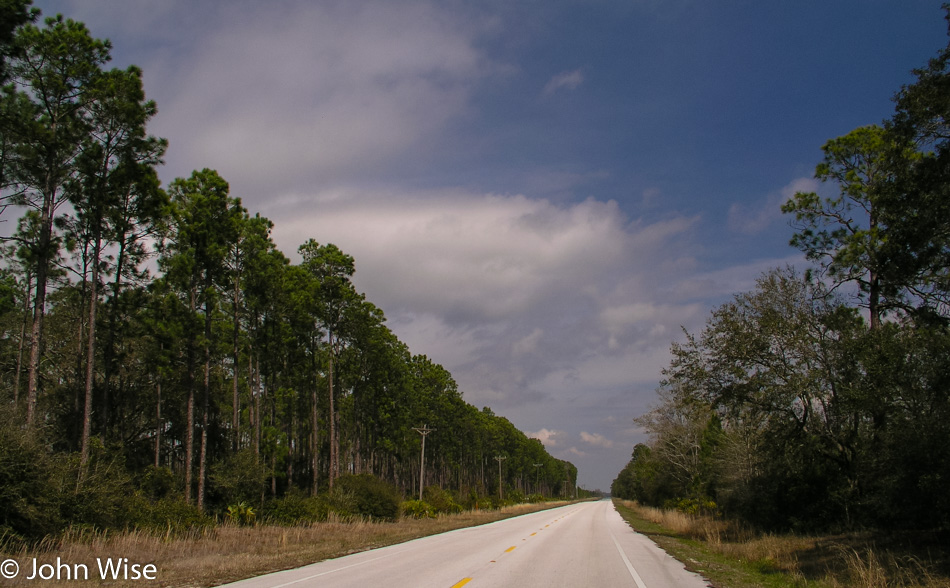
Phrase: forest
(161, 359)
(820, 399)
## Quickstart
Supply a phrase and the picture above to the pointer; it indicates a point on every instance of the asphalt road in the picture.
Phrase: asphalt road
(585, 544)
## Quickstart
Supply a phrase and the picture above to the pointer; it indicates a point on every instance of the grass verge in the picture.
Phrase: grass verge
(730, 556)
(226, 553)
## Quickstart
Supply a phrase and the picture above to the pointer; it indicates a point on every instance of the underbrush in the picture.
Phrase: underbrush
(215, 554)
(854, 560)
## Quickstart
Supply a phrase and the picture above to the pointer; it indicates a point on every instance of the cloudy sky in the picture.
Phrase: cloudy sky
(538, 193)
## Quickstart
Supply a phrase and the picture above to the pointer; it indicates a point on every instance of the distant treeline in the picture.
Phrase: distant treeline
(822, 401)
(232, 375)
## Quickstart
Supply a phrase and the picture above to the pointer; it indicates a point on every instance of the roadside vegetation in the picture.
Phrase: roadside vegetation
(164, 367)
(805, 430)
(209, 555)
(732, 555)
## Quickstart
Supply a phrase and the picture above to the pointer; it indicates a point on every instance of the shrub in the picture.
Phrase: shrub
(158, 483)
(693, 506)
(440, 500)
(514, 497)
(105, 497)
(295, 508)
(239, 478)
(365, 495)
(241, 513)
(174, 515)
(29, 495)
(417, 509)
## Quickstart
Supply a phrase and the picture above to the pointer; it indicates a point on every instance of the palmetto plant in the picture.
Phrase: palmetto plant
(241, 513)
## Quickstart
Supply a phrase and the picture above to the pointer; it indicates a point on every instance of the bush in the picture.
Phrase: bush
(440, 500)
(514, 497)
(29, 494)
(173, 515)
(158, 483)
(239, 478)
(417, 509)
(693, 506)
(241, 513)
(365, 495)
(105, 497)
(295, 508)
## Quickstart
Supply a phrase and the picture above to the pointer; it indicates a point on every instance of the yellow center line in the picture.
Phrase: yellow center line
(510, 549)
(462, 583)
(533, 534)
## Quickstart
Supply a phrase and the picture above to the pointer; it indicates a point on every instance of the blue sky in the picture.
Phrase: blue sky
(538, 194)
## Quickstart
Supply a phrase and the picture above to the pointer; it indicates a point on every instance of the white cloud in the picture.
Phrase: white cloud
(596, 439)
(349, 87)
(569, 80)
(751, 220)
(550, 438)
(463, 255)
(724, 283)
(526, 301)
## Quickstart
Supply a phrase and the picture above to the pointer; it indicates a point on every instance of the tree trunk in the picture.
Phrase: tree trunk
(158, 426)
(19, 352)
(334, 446)
(203, 457)
(257, 406)
(90, 354)
(39, 303)
(190, 406)
(236, 416)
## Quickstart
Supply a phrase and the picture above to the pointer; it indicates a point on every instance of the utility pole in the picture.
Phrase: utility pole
(500, 459)
(537, 478)
(424, 431)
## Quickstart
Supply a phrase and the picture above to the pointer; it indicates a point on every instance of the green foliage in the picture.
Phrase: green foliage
(790, 413)
(238, 479)
(172, 515)
(105, 496)
(514, 497)
(693, 506)
(158, 483)
(295, 508)
(241, 514)
(28, 490)
(245, 376)
(418, 509)
(441, 501)
(366, 496)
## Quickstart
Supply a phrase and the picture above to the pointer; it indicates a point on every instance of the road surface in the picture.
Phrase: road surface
(585, 544)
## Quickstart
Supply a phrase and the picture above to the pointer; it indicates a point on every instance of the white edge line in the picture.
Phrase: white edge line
(630, 568)
(335, 570)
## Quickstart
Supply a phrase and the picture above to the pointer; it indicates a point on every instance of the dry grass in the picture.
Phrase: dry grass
(865, 569)
(841, 561)
(226, 553)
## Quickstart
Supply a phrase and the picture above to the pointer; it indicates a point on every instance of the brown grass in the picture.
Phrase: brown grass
(855, 560)
(227, 553)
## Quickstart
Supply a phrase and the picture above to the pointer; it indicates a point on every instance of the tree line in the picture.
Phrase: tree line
(229, 360)
(819, 400)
